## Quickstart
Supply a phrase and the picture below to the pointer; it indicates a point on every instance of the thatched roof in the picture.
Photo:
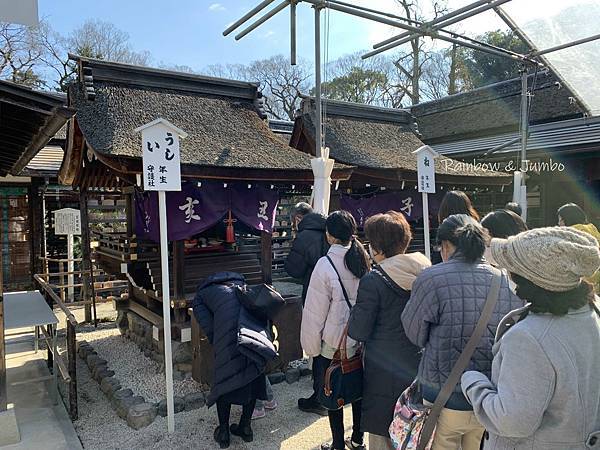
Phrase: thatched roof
(223, 118)
(493, 109)
(373, 138)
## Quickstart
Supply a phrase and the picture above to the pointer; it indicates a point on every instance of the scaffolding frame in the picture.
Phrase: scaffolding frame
(412, 30)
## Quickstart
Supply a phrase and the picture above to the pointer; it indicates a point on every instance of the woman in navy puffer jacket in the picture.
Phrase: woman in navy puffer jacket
(239, 377)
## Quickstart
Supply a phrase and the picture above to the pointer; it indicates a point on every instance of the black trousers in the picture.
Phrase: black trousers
(336, 417)
(224, 412)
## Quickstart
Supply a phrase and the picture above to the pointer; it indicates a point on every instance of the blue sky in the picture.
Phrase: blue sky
(189, 32)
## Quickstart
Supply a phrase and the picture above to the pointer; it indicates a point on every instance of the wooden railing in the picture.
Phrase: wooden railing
(67, 369)
(59, 282)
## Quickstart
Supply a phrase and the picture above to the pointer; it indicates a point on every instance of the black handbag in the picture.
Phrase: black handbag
(343, 382)
(262, 300)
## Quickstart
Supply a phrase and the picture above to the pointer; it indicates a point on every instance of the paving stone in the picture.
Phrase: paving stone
(276, 378)
(102, 374)
(292, 376)
(305, 370)
(91, 359)
(178, 406)
(126, 404)
(120, 395)
(141, 415)
(194, 400)
(110, 385)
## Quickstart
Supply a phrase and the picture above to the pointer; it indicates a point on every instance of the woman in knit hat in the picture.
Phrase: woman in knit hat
(544, 392)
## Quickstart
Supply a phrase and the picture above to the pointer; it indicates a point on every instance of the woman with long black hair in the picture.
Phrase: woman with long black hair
(331, 294)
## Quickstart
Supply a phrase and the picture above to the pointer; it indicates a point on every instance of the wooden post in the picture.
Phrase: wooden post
(62, 269)
(3, 398)
(50, 360)
(130, 216)
(86, 262)
(36, 225)
(72, 367)
(266, 256)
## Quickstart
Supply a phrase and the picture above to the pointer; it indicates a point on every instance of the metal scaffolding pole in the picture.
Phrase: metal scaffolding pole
(262, 20)
(567, 45)
(428, 29)
(293, 41)
(524, 119)
(459, 11)
(247, 16)
(319, 124)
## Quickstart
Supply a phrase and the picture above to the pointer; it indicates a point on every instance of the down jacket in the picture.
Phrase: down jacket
(326, 312)
(445, 304)
(217, 311)
(310, 245)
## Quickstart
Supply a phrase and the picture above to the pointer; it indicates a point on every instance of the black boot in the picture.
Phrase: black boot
(245, 432)
(222, 437)
(311, 405)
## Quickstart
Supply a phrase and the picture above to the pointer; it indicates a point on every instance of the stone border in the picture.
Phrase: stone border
(132, 408)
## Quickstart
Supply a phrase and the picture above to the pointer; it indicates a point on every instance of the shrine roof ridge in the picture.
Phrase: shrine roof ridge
(92, 69)
(357, 110)
(494, 109)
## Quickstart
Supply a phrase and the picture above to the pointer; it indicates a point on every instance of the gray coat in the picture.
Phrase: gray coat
(544, 392)
(444, 307)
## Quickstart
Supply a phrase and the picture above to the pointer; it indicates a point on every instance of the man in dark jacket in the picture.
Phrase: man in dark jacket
(309, 246)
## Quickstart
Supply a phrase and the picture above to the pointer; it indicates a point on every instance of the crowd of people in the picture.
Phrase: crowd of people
(533, 381)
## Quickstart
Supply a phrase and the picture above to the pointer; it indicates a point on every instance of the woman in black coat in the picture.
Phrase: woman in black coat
(391, 361)
(239, 370)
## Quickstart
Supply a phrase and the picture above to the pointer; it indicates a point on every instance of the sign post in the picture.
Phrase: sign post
(162, 172)
(67, 221)
(426, 184)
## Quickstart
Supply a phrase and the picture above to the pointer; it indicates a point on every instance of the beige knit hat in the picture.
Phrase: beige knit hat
(553, 258)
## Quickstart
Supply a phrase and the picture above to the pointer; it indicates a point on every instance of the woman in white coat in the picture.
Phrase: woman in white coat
(331, 294)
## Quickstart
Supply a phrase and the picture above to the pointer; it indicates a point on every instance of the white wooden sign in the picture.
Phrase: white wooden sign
(426, 183)
(67, 221)
(160, 155)
(426, 169)
(162, 172)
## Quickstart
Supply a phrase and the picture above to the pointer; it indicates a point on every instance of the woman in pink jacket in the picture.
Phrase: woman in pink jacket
(331, 293)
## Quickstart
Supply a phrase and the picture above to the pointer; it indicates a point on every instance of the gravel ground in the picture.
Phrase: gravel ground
(99, 427)
(134, 370)
(286, 428)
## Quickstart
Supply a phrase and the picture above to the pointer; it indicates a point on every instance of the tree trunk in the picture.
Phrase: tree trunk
(416, 72)
(453, 69)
